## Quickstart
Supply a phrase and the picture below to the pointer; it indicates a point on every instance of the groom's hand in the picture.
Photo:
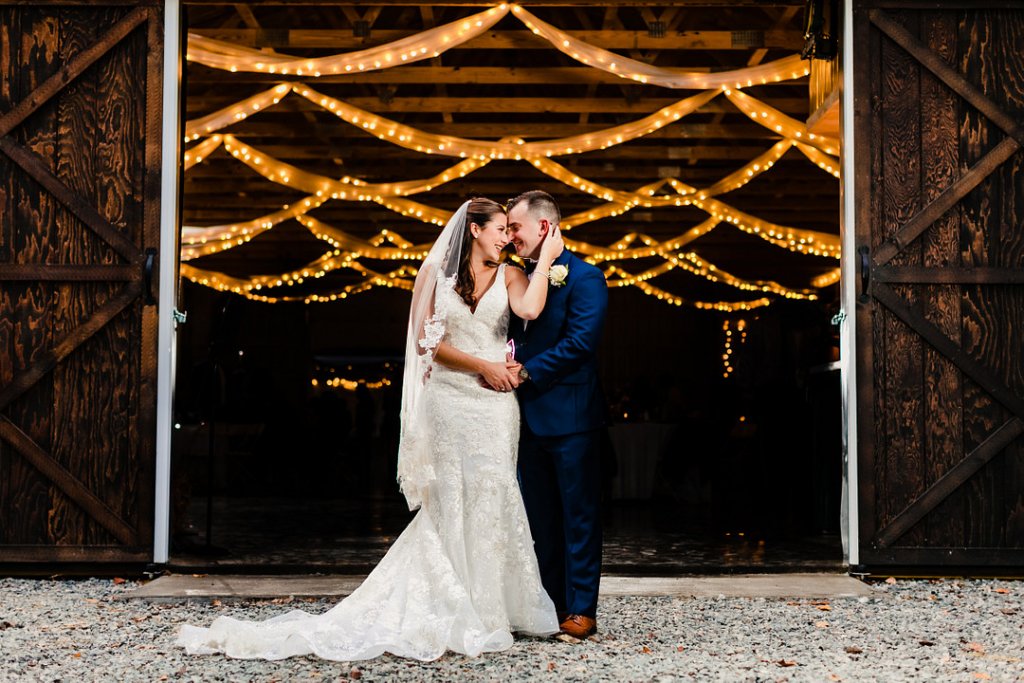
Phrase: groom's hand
(514, 368)
(505, 381)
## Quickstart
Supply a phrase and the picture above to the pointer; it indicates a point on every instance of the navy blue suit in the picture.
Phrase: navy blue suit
(563, 412)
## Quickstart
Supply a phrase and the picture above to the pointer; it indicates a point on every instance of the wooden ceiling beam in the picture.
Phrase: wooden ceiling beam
(504, 105)
(660, 152)
(610, 39)
(797, 180)
(250, 130)
(425, 75)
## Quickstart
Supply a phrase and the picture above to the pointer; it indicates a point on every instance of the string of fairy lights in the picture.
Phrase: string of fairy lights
(346, 249)
(730, 342)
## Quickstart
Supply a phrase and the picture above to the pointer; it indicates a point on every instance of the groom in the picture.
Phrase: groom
(563, 411)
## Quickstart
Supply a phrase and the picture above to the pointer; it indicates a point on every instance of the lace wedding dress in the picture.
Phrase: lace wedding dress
(463, 575)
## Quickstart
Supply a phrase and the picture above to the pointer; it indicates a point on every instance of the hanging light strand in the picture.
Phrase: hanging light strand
(776, 121)
(424, 45)
(216, 238)
(196, 153)
(449, 145)
(233, 113)
(784, 69)
(825, 162)
(347, 187)
(827, 279)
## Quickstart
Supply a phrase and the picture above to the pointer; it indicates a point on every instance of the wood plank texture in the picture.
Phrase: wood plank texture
(940, 135)
(941, 253)
(901, 478)
(26, 307)
(84, 165)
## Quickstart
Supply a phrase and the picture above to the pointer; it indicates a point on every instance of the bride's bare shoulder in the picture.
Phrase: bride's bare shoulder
(513, 270)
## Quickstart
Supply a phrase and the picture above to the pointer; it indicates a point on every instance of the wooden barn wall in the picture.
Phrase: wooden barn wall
(92, 414)
(920, 414)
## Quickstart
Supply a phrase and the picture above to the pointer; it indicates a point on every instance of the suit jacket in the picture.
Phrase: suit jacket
(558, 349)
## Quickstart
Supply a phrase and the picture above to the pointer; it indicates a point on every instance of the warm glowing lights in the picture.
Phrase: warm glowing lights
(432, 42)
(776, 121)
(198, 242)
(351, 384)
(827, 163)
(827, 279)
(424, 45)
(401, 278)
(794, 239)
(784, 69)
(730, 342)
(448, 145)
(347, 187)
(197, 153)
(233, 113)
(346, 249)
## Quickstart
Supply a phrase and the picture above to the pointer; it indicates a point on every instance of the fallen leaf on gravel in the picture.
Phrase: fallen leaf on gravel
(1009, 610)
(680, 648)
(199, 576)
(355, 673)
(891, 580)
(786, 662)
(854, 650)
(215, 602)
(821, 624)
(77, 655)
(118, 580)
(551, 666)
(834, 677)
(162, 678)
(925, 642)
(1004, 591)
(976, 647)
(981, 676)
(825, 608)
(91, 601)
(646, 650)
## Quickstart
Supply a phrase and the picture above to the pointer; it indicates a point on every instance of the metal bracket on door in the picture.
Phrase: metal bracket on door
(865, 274)
(180, 317)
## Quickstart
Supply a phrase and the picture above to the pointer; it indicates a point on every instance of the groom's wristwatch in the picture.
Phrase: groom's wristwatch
(523, 374)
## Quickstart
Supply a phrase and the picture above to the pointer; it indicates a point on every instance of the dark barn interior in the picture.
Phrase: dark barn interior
(724, 422)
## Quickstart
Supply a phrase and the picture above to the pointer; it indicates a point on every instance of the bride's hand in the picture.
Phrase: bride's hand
(552, 246)
(498, 376)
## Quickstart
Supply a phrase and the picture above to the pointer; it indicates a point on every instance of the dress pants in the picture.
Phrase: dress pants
(560, 477)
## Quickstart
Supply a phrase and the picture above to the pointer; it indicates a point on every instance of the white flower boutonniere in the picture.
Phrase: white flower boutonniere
(557, 275)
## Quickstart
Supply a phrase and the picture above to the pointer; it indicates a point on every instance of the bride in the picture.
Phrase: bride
(463, 575)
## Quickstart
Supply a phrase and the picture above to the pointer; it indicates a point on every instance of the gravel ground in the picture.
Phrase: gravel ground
(942, 630)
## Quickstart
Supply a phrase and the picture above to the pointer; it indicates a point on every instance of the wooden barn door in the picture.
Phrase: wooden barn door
(939, 107)
(80, 88)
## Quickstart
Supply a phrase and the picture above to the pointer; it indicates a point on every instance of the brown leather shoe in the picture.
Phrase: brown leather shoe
(579, 626)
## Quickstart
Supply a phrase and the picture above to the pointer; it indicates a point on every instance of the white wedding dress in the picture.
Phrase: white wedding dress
(463, 575)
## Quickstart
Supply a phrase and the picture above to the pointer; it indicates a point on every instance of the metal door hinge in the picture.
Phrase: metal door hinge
(838, 318)
(180, 317)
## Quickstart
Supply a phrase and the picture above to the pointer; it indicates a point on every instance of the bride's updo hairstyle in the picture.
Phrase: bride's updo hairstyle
(480, 211)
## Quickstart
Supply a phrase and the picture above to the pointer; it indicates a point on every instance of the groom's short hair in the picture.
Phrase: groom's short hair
(538, 201)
